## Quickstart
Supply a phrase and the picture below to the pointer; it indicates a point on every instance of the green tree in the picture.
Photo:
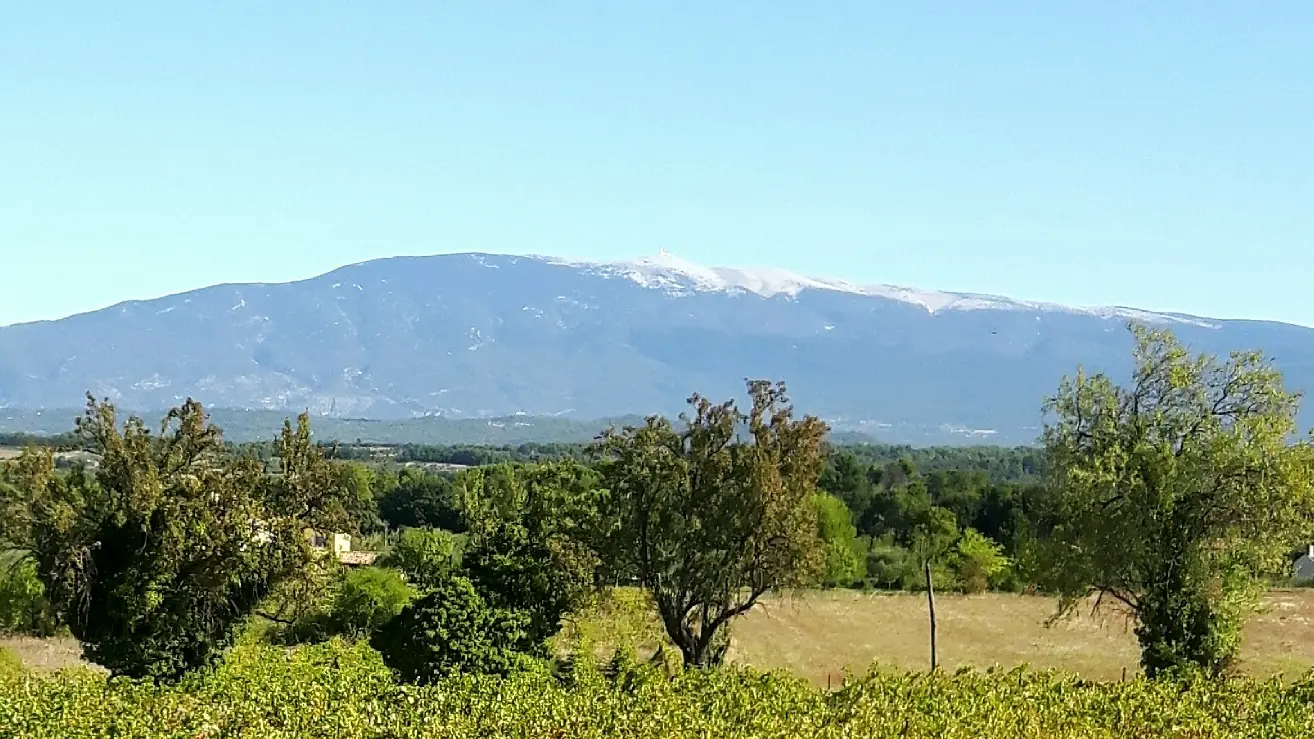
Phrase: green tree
(528, 561)
(309, 490)
(1175, 495)
(453, 629)
(961, 492)
(155, 559)
(934, 534)
(369, 598)
(423, 555)
(708, 520)
(848, 479)
(531, 540)
(890, 565)
(422, 500)
(299, 603)
(980, 561)
(24, 608)
(357, 483)
(355, 604)
(897, 510)
(12, 502)
(843, 563)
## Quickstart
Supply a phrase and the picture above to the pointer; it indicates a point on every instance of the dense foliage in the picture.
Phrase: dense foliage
(157, 557)
(841, 551)
(532, 538)
(368, 598)
(24, 608)
(423, 556)
(904, 515)
(420, 500)
(65, 441)
(478, 456)
(1176, 495)
(453, 630)
(526, 563)
(346, 692)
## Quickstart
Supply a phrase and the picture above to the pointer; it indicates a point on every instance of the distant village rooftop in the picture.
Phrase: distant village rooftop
(340, 545)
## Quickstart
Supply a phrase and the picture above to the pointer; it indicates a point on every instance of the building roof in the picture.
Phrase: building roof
(363, 559)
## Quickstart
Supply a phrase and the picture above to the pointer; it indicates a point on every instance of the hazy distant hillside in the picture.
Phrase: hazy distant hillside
(482, 336)
(242, 426)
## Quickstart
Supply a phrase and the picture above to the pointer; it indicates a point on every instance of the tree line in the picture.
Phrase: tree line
(1172, 497)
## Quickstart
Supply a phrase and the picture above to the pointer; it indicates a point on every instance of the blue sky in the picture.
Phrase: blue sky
(1157, 155)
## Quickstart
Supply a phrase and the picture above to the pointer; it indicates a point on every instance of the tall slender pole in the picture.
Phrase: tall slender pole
(930, 602)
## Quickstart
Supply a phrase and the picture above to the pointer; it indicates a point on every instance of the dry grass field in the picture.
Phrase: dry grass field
(819, 634)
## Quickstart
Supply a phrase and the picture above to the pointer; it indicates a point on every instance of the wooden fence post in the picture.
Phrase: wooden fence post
(930, 602)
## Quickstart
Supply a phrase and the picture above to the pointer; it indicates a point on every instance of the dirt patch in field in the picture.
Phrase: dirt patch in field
(45, 654)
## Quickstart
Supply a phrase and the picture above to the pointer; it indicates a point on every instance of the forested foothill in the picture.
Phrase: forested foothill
(1175, 499)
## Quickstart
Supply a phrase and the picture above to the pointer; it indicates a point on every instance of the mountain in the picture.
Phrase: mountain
(479, 335)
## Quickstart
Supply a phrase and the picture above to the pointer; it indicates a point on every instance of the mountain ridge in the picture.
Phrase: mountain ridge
(736, 278)
(475, 335)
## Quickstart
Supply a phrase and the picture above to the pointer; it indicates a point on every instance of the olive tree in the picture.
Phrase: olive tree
(155, 558)
(713, 514)
(1175, 495)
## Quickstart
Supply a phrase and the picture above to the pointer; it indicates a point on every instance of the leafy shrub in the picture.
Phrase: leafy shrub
(530, 549)
(300, 606)
(452, 629)
(360, 602)
(24, 608)
(613, 618)
(981, 562)
(888, 564)
(424, 556)
(369, 598)
(513, 572)
(843, 565)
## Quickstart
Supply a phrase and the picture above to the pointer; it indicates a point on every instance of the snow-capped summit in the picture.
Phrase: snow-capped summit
(681, 277)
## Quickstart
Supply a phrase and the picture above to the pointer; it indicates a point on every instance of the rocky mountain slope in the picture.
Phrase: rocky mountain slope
(472, 335)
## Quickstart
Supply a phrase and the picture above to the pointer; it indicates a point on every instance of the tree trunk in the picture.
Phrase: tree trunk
(704, 646)
(693, 650)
